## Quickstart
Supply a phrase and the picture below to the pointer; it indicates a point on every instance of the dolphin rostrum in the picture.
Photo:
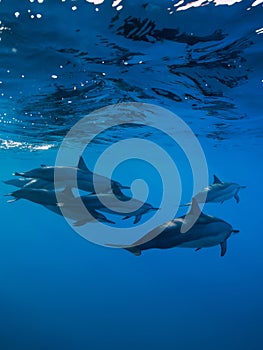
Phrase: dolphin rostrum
(207, 231)
(65, 176)
(218, 192)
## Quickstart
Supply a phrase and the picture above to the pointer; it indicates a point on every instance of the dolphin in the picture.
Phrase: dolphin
(65, 176)
(48, 199)
(218, 192)
(207, 231)
(125, 206)
(30, 183)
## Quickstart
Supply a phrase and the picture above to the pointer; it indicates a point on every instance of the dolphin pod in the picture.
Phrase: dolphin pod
(37, 185)
(48, 199)
(93, 204)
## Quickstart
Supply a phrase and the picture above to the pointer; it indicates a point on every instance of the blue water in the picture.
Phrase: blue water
(203, 63)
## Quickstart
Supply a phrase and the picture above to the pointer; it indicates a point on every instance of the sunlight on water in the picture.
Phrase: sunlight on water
(9, 144)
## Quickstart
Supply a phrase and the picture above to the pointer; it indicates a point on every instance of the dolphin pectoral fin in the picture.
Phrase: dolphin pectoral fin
(103, 218)
(80, 222)
(223, 248)
(195, 210)
(116, 190)
(43, 165)
(68, 191)
(216, 180)
(237, 198)
(198, 249)
(100, 217)
(134, 250)
(19, 174)
(137, 219)
(109, 221)
(126, 217)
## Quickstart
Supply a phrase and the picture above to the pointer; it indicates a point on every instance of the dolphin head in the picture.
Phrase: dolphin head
(22, 193)
(44, 197)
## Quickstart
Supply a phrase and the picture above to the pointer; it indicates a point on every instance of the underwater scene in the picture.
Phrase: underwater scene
(131, 174)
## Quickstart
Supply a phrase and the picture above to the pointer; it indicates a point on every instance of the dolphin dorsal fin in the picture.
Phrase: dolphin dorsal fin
(82, 165)
(216, 180)
(195, 210)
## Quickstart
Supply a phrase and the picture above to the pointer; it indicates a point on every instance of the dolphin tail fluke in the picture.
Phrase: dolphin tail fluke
(223, 248)
(235, 231)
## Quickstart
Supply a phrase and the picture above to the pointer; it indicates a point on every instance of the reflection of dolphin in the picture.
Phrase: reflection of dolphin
(65, 176)
(207, 231)
(218, 192)
(49, 200)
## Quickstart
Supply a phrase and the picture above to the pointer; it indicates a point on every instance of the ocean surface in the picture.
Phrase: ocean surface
(61, 61)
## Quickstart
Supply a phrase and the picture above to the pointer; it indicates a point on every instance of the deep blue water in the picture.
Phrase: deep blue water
(203, 63)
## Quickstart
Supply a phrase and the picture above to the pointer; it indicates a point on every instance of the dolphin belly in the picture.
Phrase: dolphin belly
(203, 242)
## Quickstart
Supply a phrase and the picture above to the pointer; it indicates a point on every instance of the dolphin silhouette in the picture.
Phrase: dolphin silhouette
(65, 176)
(218, 192)
(207, 231)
